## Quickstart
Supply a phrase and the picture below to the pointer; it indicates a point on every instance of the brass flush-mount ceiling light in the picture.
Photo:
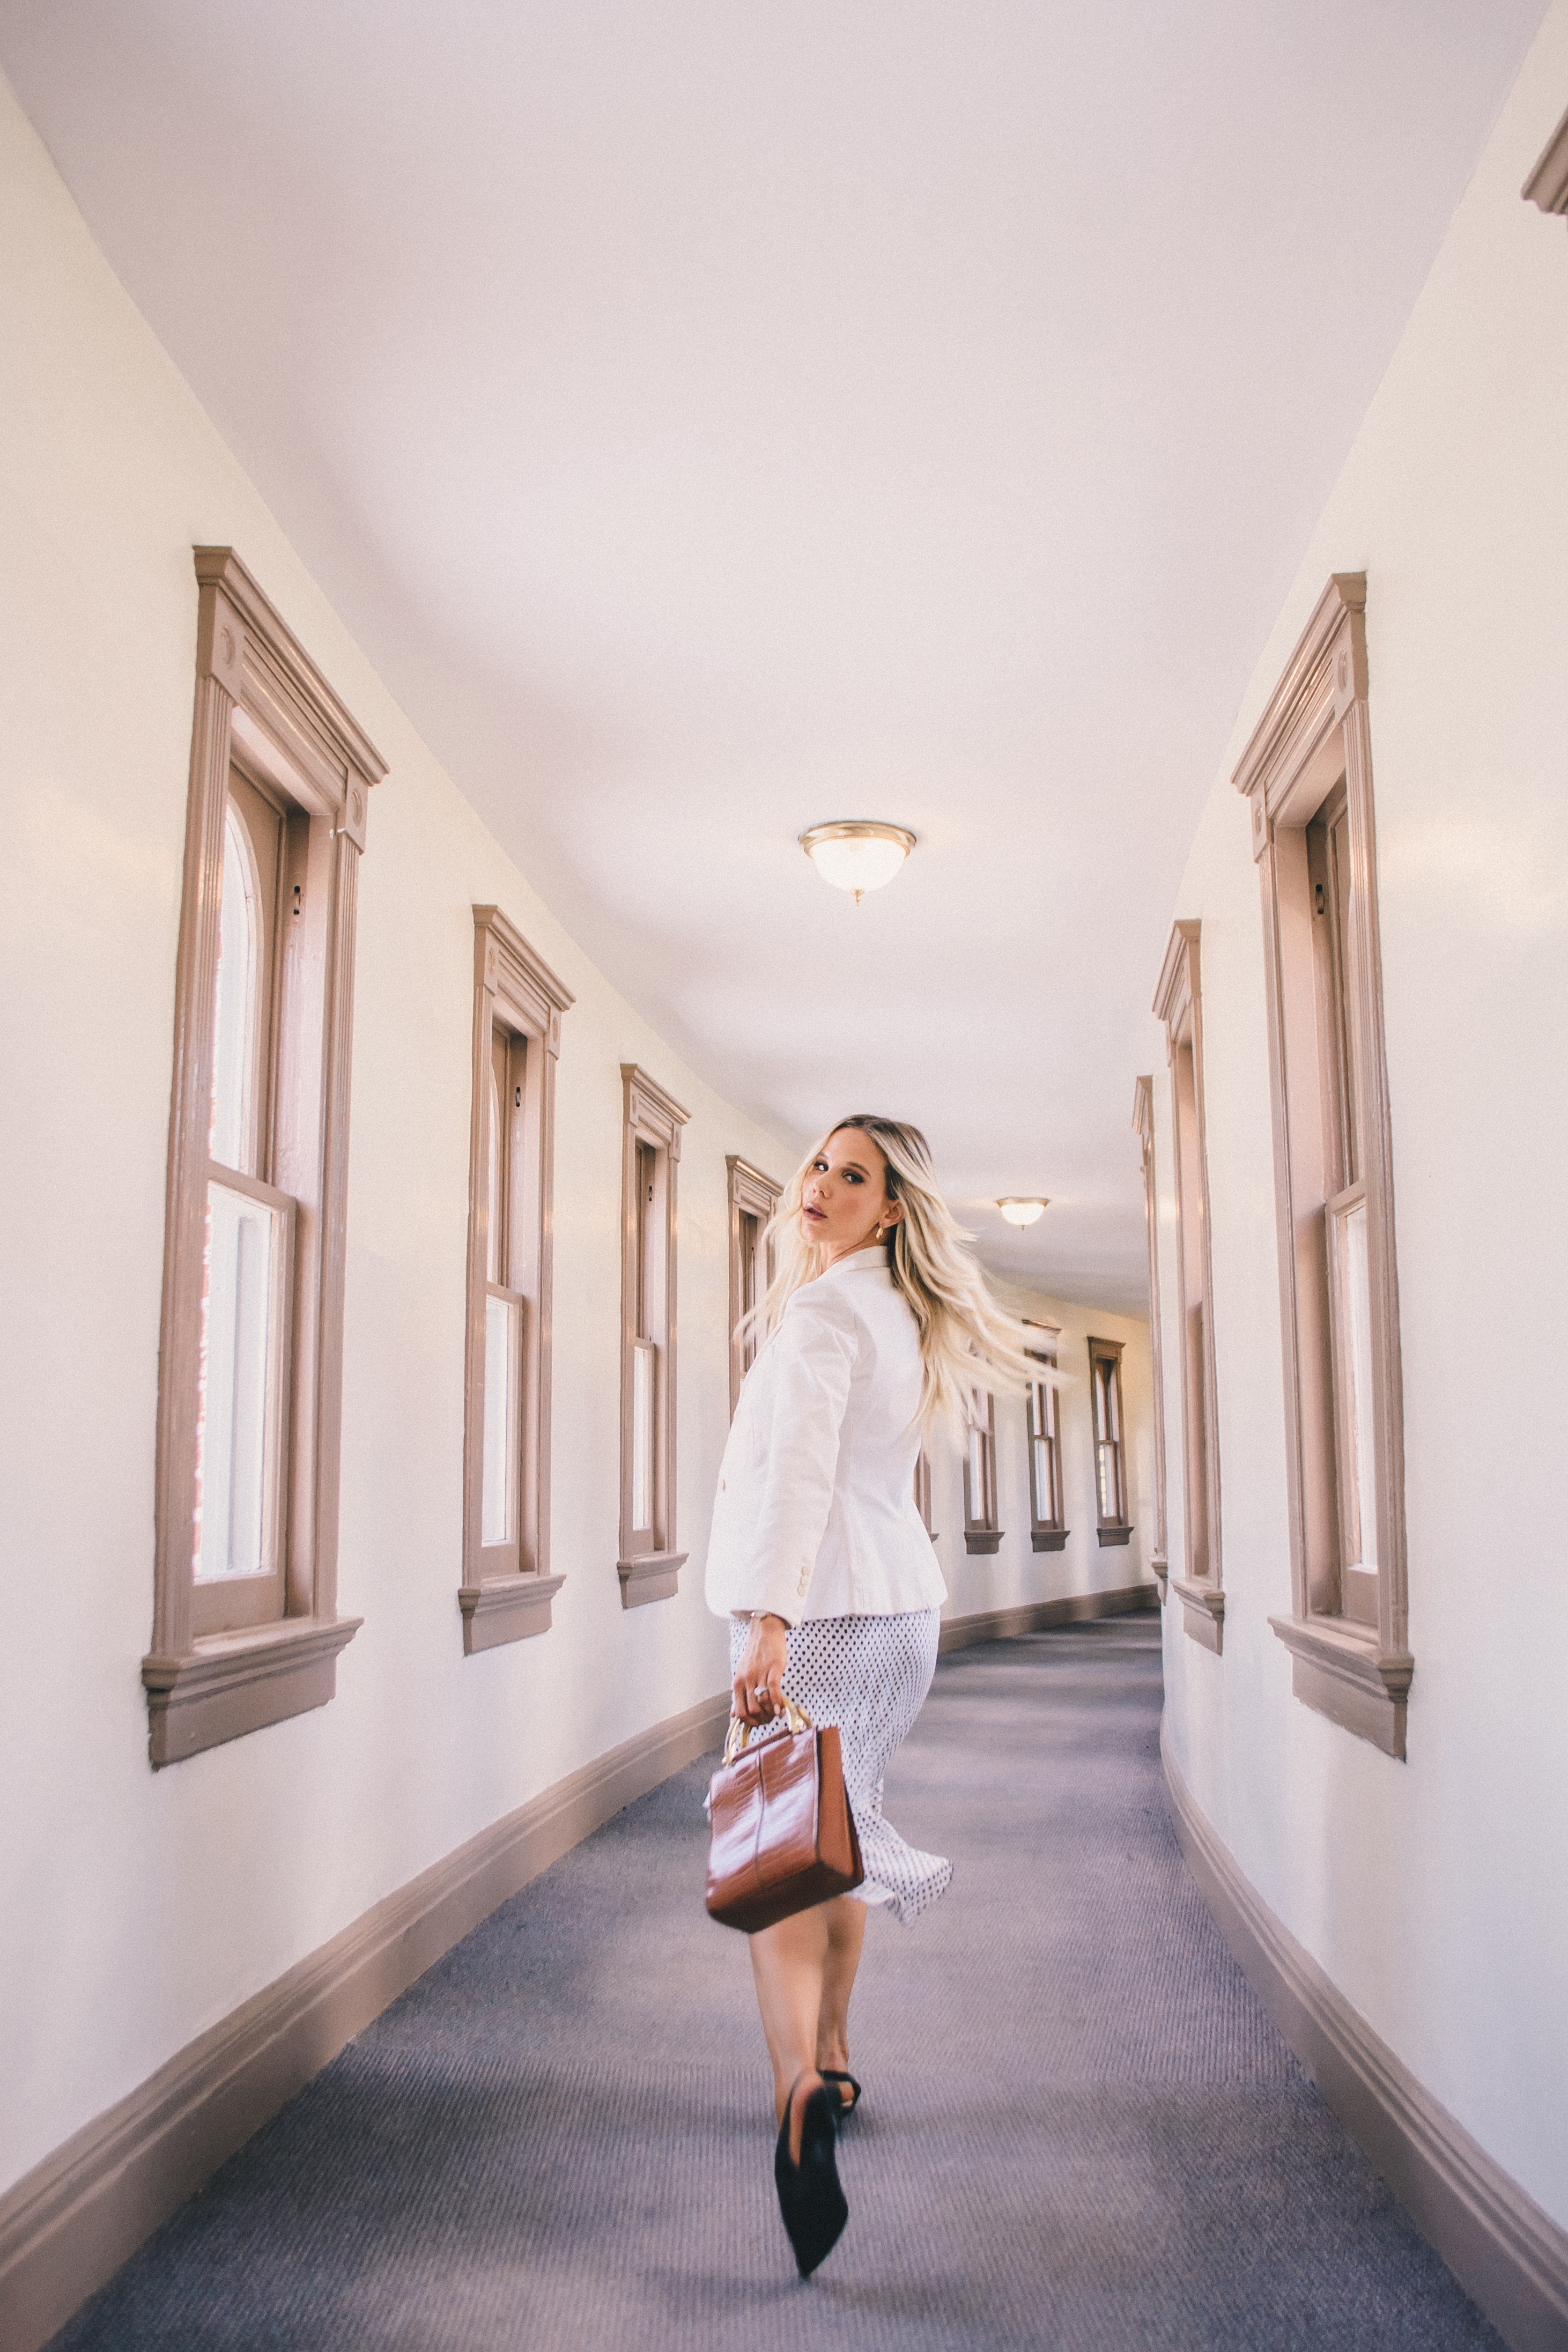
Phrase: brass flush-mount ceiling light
(1023, 1213)
(857, 857)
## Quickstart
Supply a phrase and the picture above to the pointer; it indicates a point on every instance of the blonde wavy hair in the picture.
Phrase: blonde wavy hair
(968, 1345)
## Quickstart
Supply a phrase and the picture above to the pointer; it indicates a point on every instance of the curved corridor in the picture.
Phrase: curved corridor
(1079, 2127)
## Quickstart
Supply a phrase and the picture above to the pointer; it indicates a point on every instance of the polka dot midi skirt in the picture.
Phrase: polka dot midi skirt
(869, 1676)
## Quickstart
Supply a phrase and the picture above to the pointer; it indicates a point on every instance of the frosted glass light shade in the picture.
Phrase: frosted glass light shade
(857, 857)
(1023, 1213)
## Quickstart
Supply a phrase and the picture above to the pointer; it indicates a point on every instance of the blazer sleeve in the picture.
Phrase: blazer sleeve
(815, 1352)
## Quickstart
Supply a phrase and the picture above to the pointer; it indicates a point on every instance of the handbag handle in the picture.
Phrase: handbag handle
(739, 1732)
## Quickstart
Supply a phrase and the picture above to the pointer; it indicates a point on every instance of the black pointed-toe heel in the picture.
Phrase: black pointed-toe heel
(847, 2107)
(810, 2198)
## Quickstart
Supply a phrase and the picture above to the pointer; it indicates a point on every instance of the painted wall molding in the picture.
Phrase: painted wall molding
(1036, 1616)
(67, 2226)
(1504, 2250)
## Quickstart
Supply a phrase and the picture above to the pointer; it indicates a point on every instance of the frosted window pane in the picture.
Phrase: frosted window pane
(1042, 1478)
(642, 1439)
(1357, 1370)
(499, 1468)
(976, 1477)
(232, 1393)
(492, 1271)
(233, 1008)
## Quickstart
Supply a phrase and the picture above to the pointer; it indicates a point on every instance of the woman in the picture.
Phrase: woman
(878, 1320)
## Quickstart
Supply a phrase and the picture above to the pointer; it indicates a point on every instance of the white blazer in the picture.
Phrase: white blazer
(816, 1513)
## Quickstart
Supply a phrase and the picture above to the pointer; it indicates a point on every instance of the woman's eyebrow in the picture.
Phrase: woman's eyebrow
(854, 1164)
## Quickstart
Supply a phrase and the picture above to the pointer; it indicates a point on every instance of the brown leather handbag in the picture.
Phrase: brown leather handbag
(782, 1836)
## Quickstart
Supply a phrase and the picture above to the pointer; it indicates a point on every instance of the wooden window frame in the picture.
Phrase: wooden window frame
(1547, 186)
(922, 1492)
(506, 1588)
(1110, 1528)
(1313, 738)
(1144, 1126)
(982, 1530)
(751, 1194)
(649, 1564)
(1178, 1004)
(1048, 1530)
(262, 707)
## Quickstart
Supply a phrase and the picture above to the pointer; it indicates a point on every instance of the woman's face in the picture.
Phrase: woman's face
(843, 1198)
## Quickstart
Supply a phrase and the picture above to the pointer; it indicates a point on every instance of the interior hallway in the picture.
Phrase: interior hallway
(1079, 2127)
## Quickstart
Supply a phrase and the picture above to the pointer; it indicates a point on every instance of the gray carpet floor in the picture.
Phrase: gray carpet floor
(1080, 2128)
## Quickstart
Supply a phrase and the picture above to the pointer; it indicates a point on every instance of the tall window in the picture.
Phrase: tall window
(649, 1564)
(753, 1197)
(1048, 1530)
(982, 1526)
(247, 1257)
(507, 1586)
(1178, 1003)
(1110, 1448)
(1143, 1122)
(1307, 775)
(245, 1630)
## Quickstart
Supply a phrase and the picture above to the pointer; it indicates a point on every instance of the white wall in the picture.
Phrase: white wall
(1432, 1891)
(139, 1907)
(1016, 1573)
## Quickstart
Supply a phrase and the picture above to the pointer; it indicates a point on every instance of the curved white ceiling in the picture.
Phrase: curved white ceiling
(716, 418)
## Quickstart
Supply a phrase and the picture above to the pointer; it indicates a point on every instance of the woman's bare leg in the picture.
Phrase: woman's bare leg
(789, 1962)
(804, 1972)
(846, 1933)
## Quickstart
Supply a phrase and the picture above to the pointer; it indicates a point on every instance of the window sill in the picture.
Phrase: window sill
(982, 1539)
(652, 1576)
(1050, 1539)
(506, 1608)
(1202, 1611)
(1114, 1535)
(1160, 1571)
(1336, 1667)
(229, 1684)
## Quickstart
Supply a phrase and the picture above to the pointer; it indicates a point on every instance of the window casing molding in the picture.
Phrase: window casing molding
(1307, 775)
(648, 1563)
(1178, 1004)
(1547, 185)
(1048, 1530)
(1112, 1523)
(506, 1588)
(983, 1530)
(922, 1492)
(1144, 1126)
(265, 715)
(753, 1197)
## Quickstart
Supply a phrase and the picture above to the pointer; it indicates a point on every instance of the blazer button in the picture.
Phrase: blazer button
(720, 1486)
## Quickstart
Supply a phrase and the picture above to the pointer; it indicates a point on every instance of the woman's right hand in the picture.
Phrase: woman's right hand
(756, 1694)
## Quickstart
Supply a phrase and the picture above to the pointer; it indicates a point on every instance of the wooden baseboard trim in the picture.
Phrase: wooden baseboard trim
(1035, 1616)
(1504, 2250)
(68, 2225)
